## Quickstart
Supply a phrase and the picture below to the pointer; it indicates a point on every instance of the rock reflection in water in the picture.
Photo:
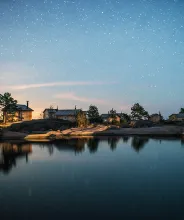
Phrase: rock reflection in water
(11, 152)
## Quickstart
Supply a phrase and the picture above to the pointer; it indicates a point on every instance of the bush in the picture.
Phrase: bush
(115, 122)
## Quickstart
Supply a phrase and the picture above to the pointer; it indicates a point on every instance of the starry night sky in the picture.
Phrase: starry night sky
(111, 53)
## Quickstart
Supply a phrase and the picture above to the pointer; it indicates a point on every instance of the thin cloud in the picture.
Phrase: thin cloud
(52, 84)
(72, 96)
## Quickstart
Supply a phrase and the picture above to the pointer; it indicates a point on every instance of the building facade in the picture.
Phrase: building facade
(49, 113)
(177, 117)
(67, 114)
(155, 118)
(22, 113)
(107, 118)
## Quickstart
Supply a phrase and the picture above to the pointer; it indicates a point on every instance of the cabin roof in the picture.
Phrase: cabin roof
(66, 112)
(23, 108)
(104, 115)
(50, 110)
(109, 115)
(180, 115)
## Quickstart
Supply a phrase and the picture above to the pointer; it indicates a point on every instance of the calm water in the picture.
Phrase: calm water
(109, 178)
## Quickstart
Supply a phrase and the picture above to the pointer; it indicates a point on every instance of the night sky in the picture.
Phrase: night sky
(111, 53)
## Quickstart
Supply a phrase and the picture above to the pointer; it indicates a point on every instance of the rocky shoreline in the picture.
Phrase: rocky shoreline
(162, 131)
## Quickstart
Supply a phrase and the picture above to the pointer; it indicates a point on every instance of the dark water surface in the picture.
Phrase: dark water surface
(109, 178)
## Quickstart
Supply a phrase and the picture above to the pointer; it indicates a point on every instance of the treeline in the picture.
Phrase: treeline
(9, 105)
(137, 113)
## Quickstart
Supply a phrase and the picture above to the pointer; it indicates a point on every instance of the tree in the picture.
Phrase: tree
(125, 118)
(1, 116)
(8, 105)
(112, 113)
(93, 114)
(138, 112)
(182, 110)
(161, 117)
(81, 119)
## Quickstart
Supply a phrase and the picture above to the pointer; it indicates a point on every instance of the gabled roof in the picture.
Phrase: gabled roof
(23, 108)
(180, 115)
(66, 112)
(173, 115)
(109, 115)
(50, 110)
(104, 116)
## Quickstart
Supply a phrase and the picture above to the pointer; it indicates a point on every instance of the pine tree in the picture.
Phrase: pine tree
(8, 105)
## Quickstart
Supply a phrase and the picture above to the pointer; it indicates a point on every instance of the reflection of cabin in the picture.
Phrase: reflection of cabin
(177, 117)
(9, 153)
(22, 113)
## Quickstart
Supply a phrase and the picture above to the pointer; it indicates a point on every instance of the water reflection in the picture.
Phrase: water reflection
(93, 145)
(182, 142)
(138, 143)
(11, 152)
(113, 141)
(76, 145)
(125, 139)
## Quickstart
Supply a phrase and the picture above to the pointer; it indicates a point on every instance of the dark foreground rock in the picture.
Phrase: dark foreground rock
(40, 125)
(142, 124)
(10, 135)
(162, 131)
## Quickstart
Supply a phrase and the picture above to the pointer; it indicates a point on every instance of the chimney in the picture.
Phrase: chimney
(75, 107)
(27, 104)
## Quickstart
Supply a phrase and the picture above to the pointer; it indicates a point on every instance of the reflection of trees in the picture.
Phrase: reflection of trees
(76, 144)
(139, 142)
(10, 153)
(93, 145)
(182, 142)
(80, 145)
(50, 149)
(125, 139)
(112, 142)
